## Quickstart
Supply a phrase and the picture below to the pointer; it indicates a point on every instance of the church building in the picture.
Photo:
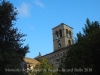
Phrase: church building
(62, 39)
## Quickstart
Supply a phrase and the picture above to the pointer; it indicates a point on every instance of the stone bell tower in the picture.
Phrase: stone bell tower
(62, 36)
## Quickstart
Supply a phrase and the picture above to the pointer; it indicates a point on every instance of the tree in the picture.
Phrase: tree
(85, 52)
(12, 50)
(44, 68)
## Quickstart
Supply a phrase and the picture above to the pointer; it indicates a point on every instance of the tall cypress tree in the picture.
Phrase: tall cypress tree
(12, 50)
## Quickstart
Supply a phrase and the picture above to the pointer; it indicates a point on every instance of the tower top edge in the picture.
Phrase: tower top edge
(61, 25)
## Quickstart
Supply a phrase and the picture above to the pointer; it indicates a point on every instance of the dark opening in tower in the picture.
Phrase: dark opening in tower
(57, 36)
(67, 33)
(69, 42)
(59, 45)
(60, 32)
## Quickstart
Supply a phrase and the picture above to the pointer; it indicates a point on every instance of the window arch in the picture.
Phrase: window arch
(59, 45)
(57, 36)
(59, 41)
(67, 32)
(69, 42)
(60, 32)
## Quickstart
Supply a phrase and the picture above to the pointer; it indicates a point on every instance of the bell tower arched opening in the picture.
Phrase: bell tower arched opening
(69, 34)
(60, 33)
(57, 36)
(69, 42)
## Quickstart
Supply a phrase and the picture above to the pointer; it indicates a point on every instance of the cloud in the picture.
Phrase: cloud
(24, 10)
(37, 2)
(29, 26)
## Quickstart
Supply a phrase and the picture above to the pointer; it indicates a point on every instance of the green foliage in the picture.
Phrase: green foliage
(44, 68)
(12, 50)
(85, 52)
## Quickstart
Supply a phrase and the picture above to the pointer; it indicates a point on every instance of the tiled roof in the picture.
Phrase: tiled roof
(31, 61)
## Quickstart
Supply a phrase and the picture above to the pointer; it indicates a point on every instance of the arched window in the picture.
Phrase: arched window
(69, 42)
(59, 41)
(59, 45)
(67, 32)
(57, 36)
(60, 32)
